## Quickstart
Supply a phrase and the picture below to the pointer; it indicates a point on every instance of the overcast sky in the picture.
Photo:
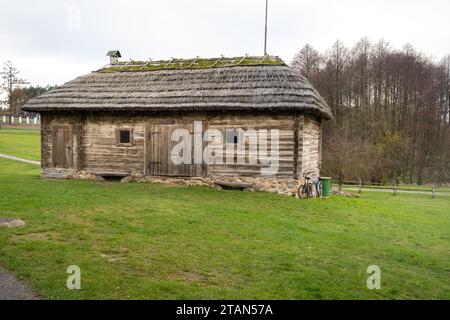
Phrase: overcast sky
(53, 41)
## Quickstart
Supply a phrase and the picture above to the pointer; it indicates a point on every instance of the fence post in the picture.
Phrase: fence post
(28, 120)
(395, 187)
(433, 191)
(20, 120)
(35, 120)
(4, 119)
(12, 119)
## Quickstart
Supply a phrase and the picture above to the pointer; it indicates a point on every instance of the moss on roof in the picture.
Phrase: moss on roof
(196, 63)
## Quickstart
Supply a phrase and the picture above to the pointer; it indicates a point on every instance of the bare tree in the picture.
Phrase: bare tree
(11, 81)
(335, 75)
(391, 111)
(308, 62)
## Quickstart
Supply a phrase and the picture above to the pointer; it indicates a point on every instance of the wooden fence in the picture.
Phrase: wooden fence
(433, 190)
(18, 120)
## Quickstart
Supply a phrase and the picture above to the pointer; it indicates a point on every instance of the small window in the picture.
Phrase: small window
(232, 136)
(124, 136)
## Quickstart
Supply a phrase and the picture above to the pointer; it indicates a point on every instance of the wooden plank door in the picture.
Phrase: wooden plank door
(159, 152)
(62, 149)
(154, 149)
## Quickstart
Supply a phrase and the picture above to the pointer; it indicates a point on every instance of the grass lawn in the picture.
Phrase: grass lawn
(20, 143)
(160, 242)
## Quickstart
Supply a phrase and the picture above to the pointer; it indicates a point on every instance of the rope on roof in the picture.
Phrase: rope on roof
(126, 64)
(193, 62)
(264, 58)
(217, 62)
(242, 60)
(146, 64)
(169, 63)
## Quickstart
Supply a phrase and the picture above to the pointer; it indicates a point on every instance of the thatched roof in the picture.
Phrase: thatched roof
(247, 83)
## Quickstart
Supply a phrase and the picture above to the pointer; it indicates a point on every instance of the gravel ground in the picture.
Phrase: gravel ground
(13, 289)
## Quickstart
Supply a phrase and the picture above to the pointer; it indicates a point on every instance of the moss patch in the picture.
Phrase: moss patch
(196, 63)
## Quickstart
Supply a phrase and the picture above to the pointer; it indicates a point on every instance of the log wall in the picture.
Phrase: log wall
(95, 147)
(310, 141)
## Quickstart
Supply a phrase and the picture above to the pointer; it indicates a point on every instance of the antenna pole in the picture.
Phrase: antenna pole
(265, 34)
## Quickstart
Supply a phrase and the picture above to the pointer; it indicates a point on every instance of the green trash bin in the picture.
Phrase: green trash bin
(326, 186)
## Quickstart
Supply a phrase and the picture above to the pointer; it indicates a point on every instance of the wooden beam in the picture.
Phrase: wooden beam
(301, 124)
(193, 62)
(146, 64)
(296, 136)
(216, 62)
(44, 144)
(79, 134)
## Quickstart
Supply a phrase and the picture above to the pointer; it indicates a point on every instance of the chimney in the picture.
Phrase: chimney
(114, 56)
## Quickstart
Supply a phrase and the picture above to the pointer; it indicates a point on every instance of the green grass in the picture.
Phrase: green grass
(159, 242)
(20, 143)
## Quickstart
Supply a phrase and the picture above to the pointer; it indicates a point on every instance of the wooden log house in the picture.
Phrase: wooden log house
(117, 121)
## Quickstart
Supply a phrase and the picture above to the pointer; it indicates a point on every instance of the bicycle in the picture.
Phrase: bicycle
(312, 188)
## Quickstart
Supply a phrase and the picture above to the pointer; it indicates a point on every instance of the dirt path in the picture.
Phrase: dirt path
(6, 156)
(13, 289)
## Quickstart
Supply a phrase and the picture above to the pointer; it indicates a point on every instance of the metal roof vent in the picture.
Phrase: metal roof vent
(114, 56)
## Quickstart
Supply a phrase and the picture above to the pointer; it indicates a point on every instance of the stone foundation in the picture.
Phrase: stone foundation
(284, 186)
(54, 173)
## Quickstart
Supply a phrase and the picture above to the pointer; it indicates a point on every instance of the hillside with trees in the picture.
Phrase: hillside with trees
(391, 112)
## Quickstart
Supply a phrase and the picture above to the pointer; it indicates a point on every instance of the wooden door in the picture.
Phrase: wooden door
(62, 149)
(159, 152)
